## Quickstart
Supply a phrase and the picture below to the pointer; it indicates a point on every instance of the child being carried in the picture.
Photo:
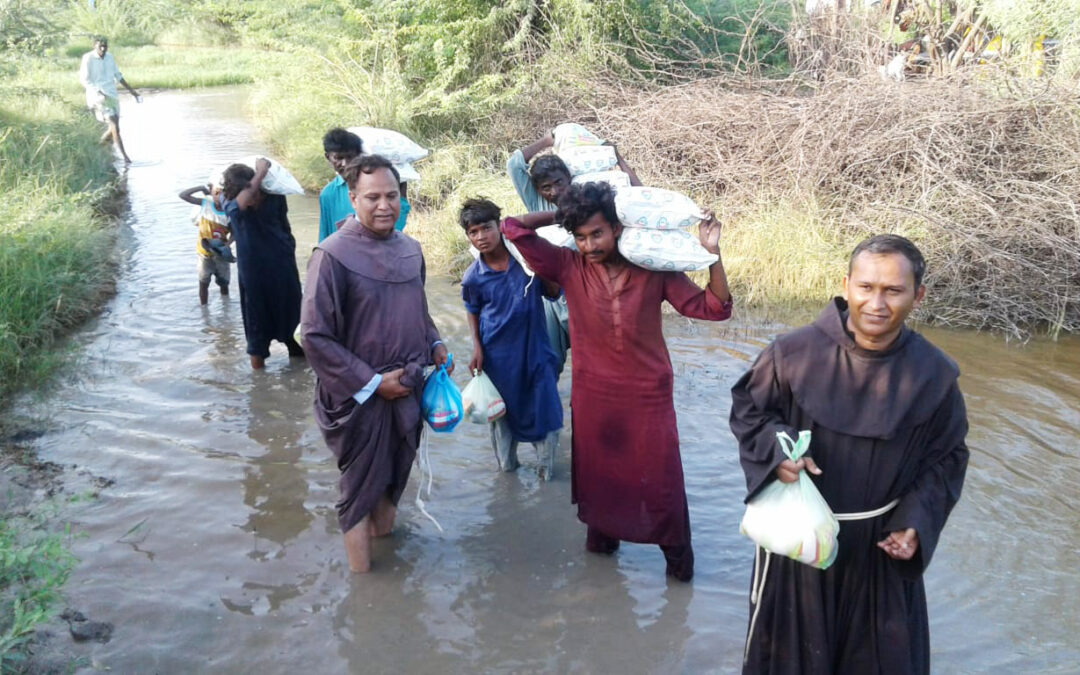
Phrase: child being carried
(215, 236)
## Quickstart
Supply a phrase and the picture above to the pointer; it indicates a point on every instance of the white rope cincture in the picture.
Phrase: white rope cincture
(864, 515)
(423, 463)
(756, 588)
(757, 585)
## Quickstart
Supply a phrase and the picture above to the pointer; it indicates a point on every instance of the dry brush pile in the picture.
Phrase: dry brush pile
(986, 180)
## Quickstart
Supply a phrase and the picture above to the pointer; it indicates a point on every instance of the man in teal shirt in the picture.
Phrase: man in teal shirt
(339, 147)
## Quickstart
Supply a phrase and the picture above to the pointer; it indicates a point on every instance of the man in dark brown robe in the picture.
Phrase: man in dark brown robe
(887, 454)
(368, 336)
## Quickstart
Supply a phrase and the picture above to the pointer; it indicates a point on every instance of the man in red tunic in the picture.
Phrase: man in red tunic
(626, 473)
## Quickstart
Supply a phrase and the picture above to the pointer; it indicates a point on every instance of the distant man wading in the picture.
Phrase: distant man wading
(98, 74)
(887, 454)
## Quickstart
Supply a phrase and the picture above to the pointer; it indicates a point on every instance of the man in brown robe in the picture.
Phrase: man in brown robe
(887, 454)
(368, 335)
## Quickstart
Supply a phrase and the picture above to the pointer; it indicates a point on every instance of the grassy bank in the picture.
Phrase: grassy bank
(55, 244)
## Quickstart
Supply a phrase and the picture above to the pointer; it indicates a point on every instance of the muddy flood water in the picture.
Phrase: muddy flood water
(213, 545)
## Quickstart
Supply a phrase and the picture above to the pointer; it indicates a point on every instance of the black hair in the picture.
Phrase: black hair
(366, 164)
(478, 210)
(581, 202)
(884, 244)
(546, 167)
(341, 140)
(102, 39)
(235, 179)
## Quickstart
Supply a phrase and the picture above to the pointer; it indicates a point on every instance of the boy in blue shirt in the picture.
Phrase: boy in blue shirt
(505, 313)
(340, 147)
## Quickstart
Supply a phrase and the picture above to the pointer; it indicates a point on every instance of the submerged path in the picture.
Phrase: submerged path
(212, 543)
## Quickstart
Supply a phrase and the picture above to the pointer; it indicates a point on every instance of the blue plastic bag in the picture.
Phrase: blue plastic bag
(441, 400)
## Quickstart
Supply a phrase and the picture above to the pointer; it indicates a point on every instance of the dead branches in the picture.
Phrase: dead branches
(987, 183)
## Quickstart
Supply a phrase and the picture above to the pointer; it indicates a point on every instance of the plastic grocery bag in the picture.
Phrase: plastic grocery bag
(664, 250)
(395, 146)
(570, 135)
(656, 208)
(278, 180)
(793, 519)
(581, 159)
(482, 401)
(441, 400)
(615, 178)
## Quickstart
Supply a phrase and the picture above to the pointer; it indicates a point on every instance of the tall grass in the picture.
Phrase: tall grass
(184, 67)
(55, 250)
(128, 22)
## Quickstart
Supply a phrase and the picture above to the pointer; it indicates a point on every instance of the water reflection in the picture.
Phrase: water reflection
(275, 486)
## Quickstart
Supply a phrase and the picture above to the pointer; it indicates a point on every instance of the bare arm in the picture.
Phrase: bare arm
(530, 151)
(129, 88)
(709, 234)
(624, 167)
(188, 195)
(246, 197)
(476, 363)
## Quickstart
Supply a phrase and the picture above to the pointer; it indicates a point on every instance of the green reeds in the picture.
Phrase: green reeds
(55, 252)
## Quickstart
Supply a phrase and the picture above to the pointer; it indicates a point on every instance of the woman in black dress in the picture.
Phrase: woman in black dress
(265, 261)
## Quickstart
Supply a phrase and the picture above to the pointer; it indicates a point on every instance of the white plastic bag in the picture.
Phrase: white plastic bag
(395, 146)
(570, 135)
(793, 519)
(656, 208)
(664, 250)
(616, 178)
(581, 159)
(482, 401)
(278, 180)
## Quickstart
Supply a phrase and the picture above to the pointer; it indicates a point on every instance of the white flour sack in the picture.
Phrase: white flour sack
(278, 180)
(395, 146)
(406, 173)
(571, 135)
(615, 178)
(664, 250)
(588, 159)
(656, 208)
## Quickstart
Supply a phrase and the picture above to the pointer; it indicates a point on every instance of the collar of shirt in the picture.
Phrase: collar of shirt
(483, 268)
